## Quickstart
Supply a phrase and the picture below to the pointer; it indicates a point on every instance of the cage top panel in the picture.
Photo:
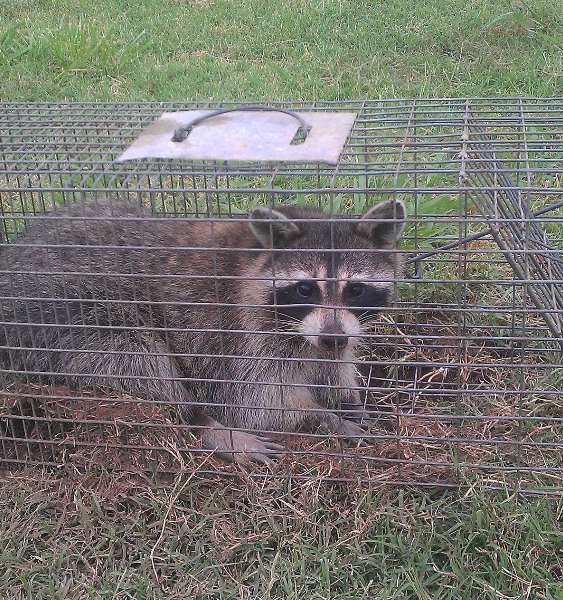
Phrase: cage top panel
(390, 138)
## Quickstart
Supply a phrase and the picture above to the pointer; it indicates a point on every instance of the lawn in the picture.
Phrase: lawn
(101, 535)
(254, 49)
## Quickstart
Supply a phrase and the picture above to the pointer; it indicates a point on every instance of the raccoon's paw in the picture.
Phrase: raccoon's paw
(241, 447)
(352, 433)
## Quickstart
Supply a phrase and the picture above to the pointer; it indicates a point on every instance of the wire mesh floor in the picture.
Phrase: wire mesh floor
(460, 377)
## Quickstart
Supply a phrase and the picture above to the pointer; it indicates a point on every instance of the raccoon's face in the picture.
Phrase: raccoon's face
(326, 279)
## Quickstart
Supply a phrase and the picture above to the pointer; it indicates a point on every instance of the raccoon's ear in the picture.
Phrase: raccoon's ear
(384, 223)
(271, 228)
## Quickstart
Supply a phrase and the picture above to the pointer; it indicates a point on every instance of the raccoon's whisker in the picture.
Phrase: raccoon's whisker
(275, 310)
(283, 323)
(286, 327)
(288, 322)
(366, 318)
(284, 317)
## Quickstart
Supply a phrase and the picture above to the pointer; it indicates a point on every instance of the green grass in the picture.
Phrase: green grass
(68, 538)
(193, 540)
(293, 49)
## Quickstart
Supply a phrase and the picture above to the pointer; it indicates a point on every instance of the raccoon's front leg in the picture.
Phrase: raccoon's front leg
(349, 422)
(354, 409)
(140, 366)
(345, 396)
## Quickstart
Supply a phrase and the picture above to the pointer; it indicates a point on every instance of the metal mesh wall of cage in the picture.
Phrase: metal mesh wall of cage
(457, 380)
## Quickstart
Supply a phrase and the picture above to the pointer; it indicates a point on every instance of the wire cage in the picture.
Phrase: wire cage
(457, 381)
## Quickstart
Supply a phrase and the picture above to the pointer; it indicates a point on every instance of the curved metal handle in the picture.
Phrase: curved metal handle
(181, 133)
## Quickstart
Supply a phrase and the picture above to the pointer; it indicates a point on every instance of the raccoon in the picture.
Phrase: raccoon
(246, 326)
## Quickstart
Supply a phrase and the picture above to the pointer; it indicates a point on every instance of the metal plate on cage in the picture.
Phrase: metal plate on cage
(244, 136)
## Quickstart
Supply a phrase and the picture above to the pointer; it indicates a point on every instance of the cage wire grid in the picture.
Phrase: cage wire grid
(459, 377)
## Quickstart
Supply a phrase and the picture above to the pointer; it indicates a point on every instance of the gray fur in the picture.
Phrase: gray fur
(69, 287)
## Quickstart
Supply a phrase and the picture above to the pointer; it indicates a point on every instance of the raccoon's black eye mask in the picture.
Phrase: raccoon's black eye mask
(365, 300)
(298, 300)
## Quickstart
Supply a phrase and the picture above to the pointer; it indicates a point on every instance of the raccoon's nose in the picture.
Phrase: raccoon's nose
(333, 337)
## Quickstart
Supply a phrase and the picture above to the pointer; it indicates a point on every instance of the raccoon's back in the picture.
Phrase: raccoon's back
(110, 264)
(95, 264)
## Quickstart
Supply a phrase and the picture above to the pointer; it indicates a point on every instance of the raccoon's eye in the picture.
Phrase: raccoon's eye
(305, 289)
(356, 290)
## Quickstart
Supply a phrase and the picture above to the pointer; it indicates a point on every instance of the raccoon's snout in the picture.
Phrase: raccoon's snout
(333, 337)
(326, 331)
